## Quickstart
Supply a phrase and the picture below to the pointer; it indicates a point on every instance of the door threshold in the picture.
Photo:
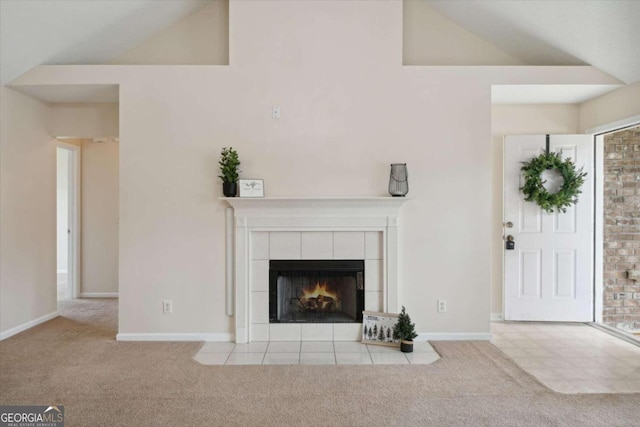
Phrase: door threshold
(626, 336)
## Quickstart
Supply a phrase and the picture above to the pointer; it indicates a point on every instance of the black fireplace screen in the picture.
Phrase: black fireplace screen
(316, 291)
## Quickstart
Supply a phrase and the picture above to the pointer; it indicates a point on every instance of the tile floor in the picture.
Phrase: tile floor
(566, 357)
(312, 353)
(571, 357)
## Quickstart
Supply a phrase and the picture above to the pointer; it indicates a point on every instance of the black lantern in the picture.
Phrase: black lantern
(398, 180)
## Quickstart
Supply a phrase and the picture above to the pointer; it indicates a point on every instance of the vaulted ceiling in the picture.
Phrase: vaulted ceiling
(35, 32)
(602, 33)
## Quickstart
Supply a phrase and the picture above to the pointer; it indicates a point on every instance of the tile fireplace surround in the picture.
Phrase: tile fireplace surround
(308, 228)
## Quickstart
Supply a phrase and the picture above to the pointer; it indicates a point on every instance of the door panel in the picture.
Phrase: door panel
(549, 274)
(564, 267)
(565, 222)
(530, 277)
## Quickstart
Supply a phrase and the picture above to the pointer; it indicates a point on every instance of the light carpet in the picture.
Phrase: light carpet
(74, 361)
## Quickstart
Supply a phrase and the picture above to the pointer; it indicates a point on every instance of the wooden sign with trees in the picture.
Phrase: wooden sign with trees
(377, 328)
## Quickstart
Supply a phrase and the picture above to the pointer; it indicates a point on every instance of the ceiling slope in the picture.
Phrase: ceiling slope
(601, 33)
(39, 32)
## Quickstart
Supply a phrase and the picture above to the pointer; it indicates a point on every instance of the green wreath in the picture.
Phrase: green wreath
(534, 190)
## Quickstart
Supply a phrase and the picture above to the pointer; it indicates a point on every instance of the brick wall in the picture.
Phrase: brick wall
(622, 228)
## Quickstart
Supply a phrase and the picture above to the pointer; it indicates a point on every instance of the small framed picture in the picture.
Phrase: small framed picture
(251, 187)
(377, 328)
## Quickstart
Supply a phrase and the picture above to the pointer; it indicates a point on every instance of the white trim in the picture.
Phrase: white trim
(218, 337)
(30, 324)
(75, 221)
(66, 145)
(229, 264)
(62, 271)
(503, 234)
(598, 256)
(497, 317)
(75, 191)
(392, 204)
(454, 336)
(624, 123)
(99, 295)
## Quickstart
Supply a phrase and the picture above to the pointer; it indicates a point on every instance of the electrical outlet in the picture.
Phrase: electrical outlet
(167, 306)
(275, 112)
(442, 306)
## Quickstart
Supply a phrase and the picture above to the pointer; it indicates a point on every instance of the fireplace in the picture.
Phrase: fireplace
(316, 291)
(260, 230)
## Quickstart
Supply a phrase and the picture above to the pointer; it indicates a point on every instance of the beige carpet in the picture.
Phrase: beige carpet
(75, 361)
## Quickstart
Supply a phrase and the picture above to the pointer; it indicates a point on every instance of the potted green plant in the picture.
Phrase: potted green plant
(405, 331)
(229, 164)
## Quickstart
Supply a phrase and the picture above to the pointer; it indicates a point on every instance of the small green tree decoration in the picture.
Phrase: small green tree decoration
(229, 163)
(404, 330)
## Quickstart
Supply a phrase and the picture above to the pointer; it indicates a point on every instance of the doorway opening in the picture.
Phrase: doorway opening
(88, 217)
(67, 222)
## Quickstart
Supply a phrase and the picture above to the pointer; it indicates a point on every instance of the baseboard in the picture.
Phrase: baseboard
(454, 336)
(98, 295)
(497, 317)
(175, 337)
(30, 324)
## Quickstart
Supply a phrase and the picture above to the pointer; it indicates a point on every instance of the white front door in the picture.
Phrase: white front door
(548, 276)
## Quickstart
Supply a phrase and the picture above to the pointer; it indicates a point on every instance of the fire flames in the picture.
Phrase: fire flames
(319, 299)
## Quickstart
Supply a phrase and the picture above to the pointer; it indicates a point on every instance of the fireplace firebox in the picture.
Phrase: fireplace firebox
(316, 291)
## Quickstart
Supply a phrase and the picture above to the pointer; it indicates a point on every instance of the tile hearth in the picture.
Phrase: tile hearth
(312, 353)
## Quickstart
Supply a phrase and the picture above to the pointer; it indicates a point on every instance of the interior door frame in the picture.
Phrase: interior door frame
(598, 134)
(74, 216)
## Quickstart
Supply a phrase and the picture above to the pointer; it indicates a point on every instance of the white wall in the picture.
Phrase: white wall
(84, 120)
(28, 206)
(100, 206)
(62, 209)
(348, 110)
(432, 39)
(199, 39)
(618, 105)
(518, 120)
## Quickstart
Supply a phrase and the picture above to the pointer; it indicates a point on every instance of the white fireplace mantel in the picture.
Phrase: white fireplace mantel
(273, 214)
(365, 206)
